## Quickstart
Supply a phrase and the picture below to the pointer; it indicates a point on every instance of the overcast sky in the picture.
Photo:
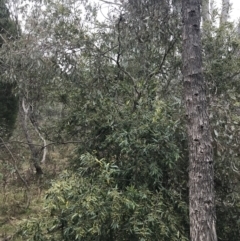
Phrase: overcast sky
(234, 14)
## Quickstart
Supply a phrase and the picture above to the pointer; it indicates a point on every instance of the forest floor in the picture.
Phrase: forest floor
(19, 202)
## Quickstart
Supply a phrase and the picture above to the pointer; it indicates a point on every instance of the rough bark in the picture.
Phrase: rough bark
(201, 172)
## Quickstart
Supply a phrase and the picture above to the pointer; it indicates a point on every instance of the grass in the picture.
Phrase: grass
(16, 202)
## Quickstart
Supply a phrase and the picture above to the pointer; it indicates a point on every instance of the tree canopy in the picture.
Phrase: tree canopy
(112, 91)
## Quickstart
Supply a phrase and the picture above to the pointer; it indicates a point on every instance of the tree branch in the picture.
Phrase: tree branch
(104, 1)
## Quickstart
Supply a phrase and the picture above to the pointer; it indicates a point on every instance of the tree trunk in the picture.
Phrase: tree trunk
(201, 173)
(225, 11)
(205, 10)
(177, 6)
(34, 152)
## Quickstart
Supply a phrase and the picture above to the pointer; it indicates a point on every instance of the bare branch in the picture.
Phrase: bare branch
(112, 3)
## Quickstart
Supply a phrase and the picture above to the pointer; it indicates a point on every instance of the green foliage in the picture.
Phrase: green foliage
(8, 101)
(144, 143)
(8, 109)
(114, 88)
(89, 205)
(8, 28)
(221, 47)
(221, 58)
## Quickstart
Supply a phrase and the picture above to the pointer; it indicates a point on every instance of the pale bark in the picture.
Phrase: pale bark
(24, 111)
(36, 128)
(205, 10)
(225, 11)
(201, 173)
(212, 6)
(177, 6)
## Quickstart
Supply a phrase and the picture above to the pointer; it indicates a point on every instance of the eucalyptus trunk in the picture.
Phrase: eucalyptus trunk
(206, 11)
(201, 172)
(225, 11)
(24, 113)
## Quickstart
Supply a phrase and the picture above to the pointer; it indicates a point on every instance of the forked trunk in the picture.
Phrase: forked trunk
(34, 151)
